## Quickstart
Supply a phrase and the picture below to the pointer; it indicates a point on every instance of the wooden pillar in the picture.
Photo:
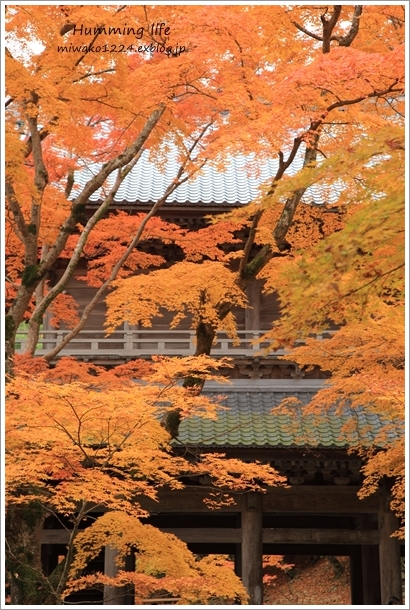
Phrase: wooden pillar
(238, 560)
(117, 596)
(389, 551)
(112, 595)
(356, 580)
(252, 547)
(238, 550)
(371, 575)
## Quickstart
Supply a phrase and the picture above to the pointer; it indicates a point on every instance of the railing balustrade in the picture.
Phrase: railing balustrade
(141, 342)
(147, 342)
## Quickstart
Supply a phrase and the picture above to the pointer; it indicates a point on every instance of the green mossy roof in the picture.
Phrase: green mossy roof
(249, 422)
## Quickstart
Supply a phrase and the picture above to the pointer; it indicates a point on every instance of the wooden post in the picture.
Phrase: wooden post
(252, 547)
(371, 575)
(238, 550)
(389, 551)
(356, 581)
(238, 560)
(117, 596)
(112, 595)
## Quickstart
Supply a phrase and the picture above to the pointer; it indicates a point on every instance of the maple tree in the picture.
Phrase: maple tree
(331, 105)
(273, 88)
(346, 270)
(281, 82)
(354, 279)
(341, 106)
(102, 447)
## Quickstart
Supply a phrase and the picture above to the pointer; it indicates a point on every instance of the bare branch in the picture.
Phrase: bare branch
(284, 165)
(346, 41)
(16, 211)
(77, 80)
(41, 307)
(341, 103)
(40, 170)
(70, 549)
(120, 161)
(329, 25)
(249, 242)
(289, 209)
(70, 183)
(304, 31)
(372, 281)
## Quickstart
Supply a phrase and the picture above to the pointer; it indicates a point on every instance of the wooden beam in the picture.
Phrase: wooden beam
(303, 499)
(252, 570)
(337, 550)
(317, 499)
(279, 535)
(319, 536)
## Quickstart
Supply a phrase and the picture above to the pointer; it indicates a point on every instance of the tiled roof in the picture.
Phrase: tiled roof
(248, 422)
(234, 185)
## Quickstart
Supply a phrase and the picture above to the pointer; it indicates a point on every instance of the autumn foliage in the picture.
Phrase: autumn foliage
(102, 447)
(274, 88)
(353, 281)
(324, 85)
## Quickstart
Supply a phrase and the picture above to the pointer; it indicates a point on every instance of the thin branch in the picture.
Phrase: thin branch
(364, 97)
(56, 515)
(70, 550)
(288, 212)
(120, 161)
(77, 80)
(253, 267)
(393, 108)
(354, 290)
(304, 31)
(284, 165)
(29, 567)
(37, 315)
(80, 59)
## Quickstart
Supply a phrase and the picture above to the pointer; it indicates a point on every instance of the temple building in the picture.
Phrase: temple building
(318, 512)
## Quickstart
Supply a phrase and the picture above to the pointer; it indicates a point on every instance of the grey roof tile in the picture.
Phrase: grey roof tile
(235, 185)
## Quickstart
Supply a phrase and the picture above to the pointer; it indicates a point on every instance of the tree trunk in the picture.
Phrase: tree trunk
(28, 584)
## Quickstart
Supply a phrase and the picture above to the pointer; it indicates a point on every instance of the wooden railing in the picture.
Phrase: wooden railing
(131, 343)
